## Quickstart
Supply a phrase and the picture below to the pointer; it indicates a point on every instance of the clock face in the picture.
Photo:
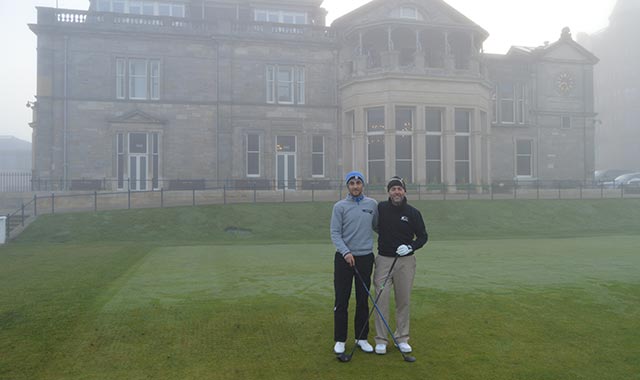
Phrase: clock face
(564, 83)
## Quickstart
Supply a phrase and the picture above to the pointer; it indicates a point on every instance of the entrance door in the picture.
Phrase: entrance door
(138, 167)
(286, 162)
(138, 172)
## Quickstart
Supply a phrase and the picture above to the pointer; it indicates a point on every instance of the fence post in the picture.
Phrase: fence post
(53, 201)
(162, 197)
(283, 194)
(95, 201)
(35, 205)
(491, 190)
(580, 191)
(255, 194)
(224, 194)
(129, 199)
(419, 195)
(22, 214)
(193, 197)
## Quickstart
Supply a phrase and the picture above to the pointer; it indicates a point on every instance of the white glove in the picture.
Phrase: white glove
(404, 250)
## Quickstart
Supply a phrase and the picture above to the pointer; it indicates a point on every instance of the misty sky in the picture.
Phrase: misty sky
(509, 22)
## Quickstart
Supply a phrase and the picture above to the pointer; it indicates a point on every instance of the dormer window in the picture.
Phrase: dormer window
(142, 7)
(409, 12)
(406, 12)
(282, 17)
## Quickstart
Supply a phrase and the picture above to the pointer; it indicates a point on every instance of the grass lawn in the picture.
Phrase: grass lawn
(556, 305)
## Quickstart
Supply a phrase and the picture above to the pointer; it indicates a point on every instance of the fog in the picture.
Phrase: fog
(509, 23)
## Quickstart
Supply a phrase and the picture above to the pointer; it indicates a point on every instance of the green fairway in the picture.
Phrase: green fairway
(517, 307)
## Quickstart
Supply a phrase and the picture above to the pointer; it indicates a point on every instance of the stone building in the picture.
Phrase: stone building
(142, 94)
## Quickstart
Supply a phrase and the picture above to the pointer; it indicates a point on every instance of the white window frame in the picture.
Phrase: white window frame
(521, 117)
(409, 13)
(125, 81)
(280, 16)
(529, 155)
(434, 134)
(315, 154)
(142, 7)
(378, 133)
(466, 134)
(295, 86)
(512, 100)
(252, 152)
(404, 133)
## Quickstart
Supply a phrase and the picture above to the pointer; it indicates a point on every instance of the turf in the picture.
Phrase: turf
(508, 307)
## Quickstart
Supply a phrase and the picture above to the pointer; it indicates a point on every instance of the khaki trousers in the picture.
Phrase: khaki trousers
(401, 279)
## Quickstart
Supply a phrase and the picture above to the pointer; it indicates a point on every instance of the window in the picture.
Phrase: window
(404, 152)
(375, 144)
(137, 79)
(462, 162)
(433, 144)
(521, 104)
(120, 159)
(142, 7)
(253, 155)
(494, 105)
(409, 12)
(507, 103)
(565, 123)
(285, 84)
(155, 160)
(317, 156)
(283, 17)
(524, 167)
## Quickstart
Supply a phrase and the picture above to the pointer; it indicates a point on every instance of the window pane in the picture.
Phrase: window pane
(300, 85)
(138, 143)
(403, 170)
(403, 147)
(462, 172)
(507, 111)
(433, 121)
(118, 6)
(121, 79)
(376, 147)
(318, 144)
(253, 143)
(404, 119)
(285, 85)
(524, 165)
(147, 8)
(462, 120)
(137, 79)
(164, 9)
(143, 173)
(253, 164)
(135, 7)
(260, 16)
(376, 172)
(523, 147)
(433, 148)
(462, 148)
(375, 119)
(155, 79)
(104, 6)
(286, 143)
(317, 164)
(434, 172)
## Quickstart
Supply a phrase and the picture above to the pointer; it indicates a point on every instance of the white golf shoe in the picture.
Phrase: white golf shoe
(404, 347)
(364, 345)
(339, 348)
(381, 349)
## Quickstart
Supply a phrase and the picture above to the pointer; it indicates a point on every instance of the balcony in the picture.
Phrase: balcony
(128, 23)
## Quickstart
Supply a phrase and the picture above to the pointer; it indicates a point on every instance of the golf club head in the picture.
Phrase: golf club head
(409, 359)
(344, 357)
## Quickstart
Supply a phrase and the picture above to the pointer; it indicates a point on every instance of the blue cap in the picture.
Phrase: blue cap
(354, 174)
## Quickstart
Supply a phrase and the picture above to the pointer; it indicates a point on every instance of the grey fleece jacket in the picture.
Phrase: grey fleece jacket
(352, 225)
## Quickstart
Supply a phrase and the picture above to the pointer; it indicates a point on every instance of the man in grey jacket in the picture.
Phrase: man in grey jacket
(352, 223)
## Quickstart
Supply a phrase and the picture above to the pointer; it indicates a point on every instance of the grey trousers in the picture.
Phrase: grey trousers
(401, 280)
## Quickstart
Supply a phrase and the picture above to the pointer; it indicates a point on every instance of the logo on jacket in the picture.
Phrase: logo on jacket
(368, 211)
(404, 219)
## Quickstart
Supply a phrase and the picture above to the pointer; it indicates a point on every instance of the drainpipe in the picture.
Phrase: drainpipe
(65, 121)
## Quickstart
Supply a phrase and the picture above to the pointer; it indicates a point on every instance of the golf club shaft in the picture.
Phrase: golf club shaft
(375, 305)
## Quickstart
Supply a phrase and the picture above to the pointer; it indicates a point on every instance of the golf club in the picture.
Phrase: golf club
(344, 357)
(407, 358)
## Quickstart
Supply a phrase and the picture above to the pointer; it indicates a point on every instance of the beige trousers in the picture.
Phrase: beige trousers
(401, 279)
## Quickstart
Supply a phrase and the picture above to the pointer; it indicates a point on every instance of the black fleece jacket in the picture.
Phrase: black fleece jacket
(399, 225)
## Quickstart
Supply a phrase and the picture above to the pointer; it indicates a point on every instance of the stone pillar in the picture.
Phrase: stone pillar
(448, 148)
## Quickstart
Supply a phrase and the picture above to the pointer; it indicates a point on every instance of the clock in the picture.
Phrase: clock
(564, 83)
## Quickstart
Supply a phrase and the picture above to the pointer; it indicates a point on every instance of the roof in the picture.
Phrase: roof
(541, 51)
(10, 143)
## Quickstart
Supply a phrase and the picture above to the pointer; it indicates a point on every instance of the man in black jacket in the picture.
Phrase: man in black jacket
(398, 225)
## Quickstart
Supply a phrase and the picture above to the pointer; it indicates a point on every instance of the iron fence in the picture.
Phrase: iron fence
(203, 192)
(15, 182)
